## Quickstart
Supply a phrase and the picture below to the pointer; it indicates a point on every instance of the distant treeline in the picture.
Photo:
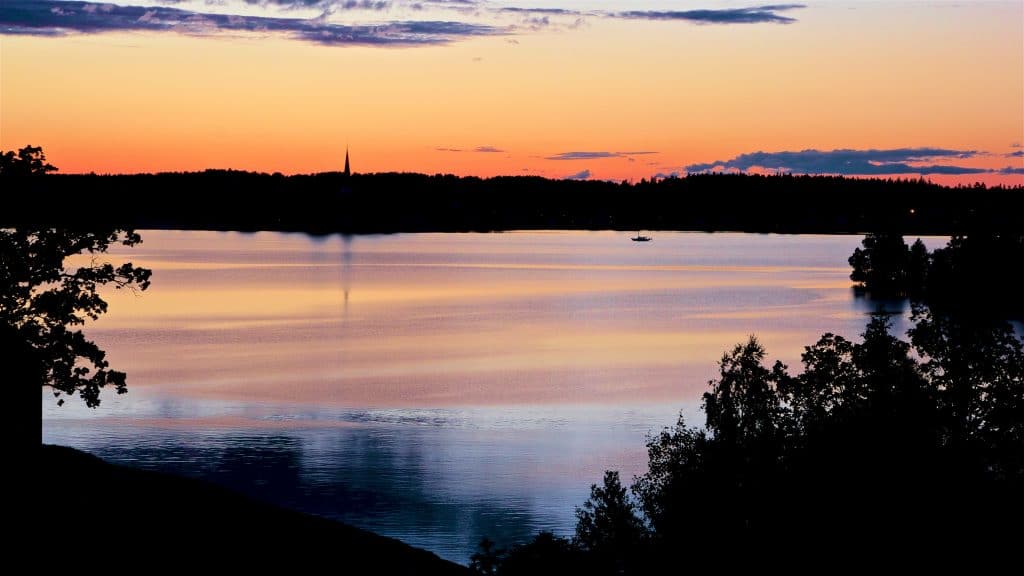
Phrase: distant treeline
(405, 202)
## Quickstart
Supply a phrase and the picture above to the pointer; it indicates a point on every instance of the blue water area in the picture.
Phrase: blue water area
(439, 388)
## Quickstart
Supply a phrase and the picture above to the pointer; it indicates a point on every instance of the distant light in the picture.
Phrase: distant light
(912, 210)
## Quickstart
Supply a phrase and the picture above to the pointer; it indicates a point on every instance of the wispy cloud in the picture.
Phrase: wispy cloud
(582, 155)
(485, 149)
(1015, 154)
(374, 5)
(51, 18)
(590, 155)
(558, 11)
(752, 15)
(535, 22)
(581, 175)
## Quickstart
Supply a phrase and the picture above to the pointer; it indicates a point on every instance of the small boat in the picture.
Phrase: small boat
(640, 238)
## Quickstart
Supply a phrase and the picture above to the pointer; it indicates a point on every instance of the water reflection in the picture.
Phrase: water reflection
(346, 269)
(437, 320)
(897, 308)
(439, 387)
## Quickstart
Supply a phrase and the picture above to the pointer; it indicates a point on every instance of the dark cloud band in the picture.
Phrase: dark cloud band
(851, 162)
(54, 18)
(59, 18)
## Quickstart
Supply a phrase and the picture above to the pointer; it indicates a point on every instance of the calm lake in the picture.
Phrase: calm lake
(438, 388)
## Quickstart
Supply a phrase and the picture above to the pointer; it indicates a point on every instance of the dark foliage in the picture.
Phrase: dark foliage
(488, 559)
(878, 447)
(976, 369)
(44, 296)
(977, 273)
(973, 274)
(882, 265)
(545, 554)
(609, 527)
(29, 161)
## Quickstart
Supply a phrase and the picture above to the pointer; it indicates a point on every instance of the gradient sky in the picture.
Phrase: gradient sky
(559, 88)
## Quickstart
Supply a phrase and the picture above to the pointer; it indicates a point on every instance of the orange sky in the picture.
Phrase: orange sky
(855, 75)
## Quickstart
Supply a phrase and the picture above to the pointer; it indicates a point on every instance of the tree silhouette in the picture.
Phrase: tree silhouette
(828, 384)
(977, 369)
(743, 405)
(42, 299)
(29, 161)
(675, 471)
(608, 525)
(47, 288)
(488, 559)
(919, 264)
(882, 266)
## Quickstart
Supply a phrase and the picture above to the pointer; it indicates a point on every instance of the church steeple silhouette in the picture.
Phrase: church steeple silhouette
(346, 176)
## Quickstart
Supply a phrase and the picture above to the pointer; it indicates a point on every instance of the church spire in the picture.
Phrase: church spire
(347, 171)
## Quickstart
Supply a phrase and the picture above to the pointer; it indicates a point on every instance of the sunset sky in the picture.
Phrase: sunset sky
(560, 88)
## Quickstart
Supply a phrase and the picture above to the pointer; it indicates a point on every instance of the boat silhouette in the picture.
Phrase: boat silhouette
(640, 238)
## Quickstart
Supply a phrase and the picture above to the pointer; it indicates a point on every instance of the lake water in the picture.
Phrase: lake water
(438, 388)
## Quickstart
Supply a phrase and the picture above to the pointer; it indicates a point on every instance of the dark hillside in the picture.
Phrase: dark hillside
(126, 517)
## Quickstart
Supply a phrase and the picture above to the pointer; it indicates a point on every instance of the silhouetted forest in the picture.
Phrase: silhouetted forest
(393, 202)
(973, 274)
(879, 447)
